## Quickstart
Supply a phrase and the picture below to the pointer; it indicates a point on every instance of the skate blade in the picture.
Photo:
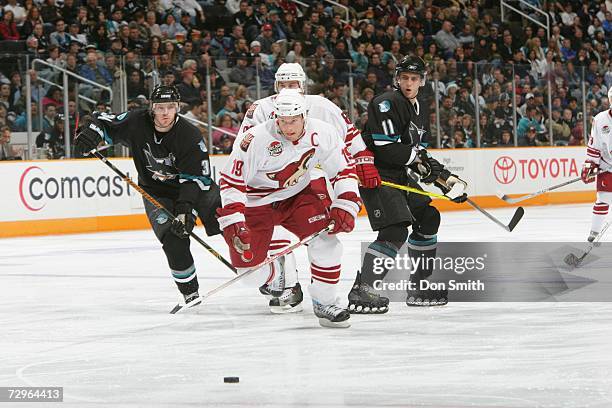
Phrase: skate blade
(334, 325)
(286, 309)
(180, 308)
(359, 309)
(427, 303)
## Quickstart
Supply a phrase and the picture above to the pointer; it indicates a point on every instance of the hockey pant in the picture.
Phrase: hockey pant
(303, 215)
(177, 249)
(281, 238)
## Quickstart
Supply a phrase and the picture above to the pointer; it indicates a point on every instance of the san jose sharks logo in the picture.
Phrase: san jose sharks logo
(416, 133)
(293, 172)
(163, 168)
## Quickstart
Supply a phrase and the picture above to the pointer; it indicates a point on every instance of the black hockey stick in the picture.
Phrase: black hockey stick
(157, 204)
(518, 214)
(575, 261)
(179, 307)
(511, 200)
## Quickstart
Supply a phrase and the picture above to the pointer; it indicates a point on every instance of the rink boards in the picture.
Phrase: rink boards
(69, 196)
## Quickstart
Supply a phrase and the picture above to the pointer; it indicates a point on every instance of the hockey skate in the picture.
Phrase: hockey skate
(427, 297)
(290, 301)
(191, 300)
(363, 299)
(331, 315)
(277, 286)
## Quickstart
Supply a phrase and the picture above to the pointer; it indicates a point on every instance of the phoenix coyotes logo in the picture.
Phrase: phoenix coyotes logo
(291, 174)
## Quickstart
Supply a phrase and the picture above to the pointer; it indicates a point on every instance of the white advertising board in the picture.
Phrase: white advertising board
(87, 188)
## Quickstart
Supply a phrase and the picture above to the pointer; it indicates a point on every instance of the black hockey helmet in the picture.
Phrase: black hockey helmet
(165, 93)
(412, 64)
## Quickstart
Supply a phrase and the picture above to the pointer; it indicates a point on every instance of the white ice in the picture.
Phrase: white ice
(90, 313)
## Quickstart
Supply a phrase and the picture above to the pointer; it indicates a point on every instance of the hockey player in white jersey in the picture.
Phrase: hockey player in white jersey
(267, 182)
(292, 76)
(598, 166)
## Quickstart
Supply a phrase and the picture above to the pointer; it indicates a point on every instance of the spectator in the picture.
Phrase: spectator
(171, 28)
(94, 72)
(561, 130)
(8, 28)
(528, 121)
(225, 123)
(225, 145)
(266, 38)
(529, 138)
(7, 152)
(230, 108)
(60, 37)
(52, 138)
(446, 39)
(506, 138)
(242, 73)
(190, 93)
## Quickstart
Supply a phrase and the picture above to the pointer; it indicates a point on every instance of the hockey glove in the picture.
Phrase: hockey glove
(589, 171)
(366, 171)
(238, 236)
(185, 220)
(429, 168)
(344, 209)
(89, 136)
(452, 186)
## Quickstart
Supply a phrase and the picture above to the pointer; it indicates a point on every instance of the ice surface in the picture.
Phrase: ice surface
(90, 313)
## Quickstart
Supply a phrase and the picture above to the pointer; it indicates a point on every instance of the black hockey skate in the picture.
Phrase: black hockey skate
(427, 297)
(331, 315)
(290, 301)
(191, 300)
(363, 299)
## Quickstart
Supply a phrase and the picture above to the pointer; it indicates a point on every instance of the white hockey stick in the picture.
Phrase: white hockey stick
(575, 261)
(179, 307)
(510, 200)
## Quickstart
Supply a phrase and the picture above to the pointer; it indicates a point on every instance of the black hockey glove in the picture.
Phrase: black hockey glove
(429, 168)
(185, 220)
(89, 136)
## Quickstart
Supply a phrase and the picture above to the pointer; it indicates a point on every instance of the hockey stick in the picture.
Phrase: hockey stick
(575, 261)
(518, 214)
(516, 217)
(268, 261)
(511, 200)
(158, 205)
(415, 190)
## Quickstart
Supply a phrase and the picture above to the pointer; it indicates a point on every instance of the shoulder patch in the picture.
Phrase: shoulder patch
(251, 111)
(384, 106)
(605, 129)
(246, 142)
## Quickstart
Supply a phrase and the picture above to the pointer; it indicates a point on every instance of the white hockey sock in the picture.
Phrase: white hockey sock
(600, 210)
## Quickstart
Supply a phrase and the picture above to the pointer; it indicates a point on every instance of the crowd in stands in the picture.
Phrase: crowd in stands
(485, 73)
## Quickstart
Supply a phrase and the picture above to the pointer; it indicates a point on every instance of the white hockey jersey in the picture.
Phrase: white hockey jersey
(599, 148)
(318, 108)
(265, 167)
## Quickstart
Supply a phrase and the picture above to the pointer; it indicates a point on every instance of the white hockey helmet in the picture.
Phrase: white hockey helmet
(290, 102)
(290, 71)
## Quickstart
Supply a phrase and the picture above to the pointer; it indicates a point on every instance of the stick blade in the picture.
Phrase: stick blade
(509, 199)
(516, 218)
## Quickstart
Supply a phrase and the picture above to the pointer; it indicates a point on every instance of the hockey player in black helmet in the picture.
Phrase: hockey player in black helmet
(395, 133)
(172, 163)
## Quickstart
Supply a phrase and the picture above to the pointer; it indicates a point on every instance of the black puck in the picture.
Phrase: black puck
(231, 379)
